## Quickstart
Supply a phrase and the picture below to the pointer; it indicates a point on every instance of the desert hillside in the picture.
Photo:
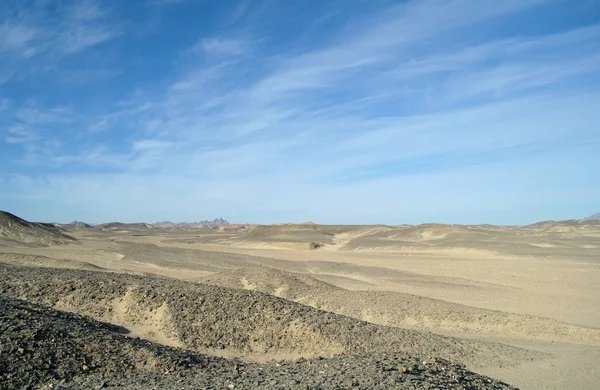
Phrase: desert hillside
(301, 306)
(16, 231)
(88, 354)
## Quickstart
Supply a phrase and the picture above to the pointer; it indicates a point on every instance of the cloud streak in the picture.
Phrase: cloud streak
(35, 38)
(421, 99)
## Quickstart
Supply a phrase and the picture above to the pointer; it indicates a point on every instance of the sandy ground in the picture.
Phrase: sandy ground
(533, 287)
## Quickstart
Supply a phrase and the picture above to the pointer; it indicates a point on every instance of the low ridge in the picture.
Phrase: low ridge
(214, 222)
(15, 231)
(124, 226)
(75, 225)
(75, 352)
(232, 322)
(594, 217)
(398, 309)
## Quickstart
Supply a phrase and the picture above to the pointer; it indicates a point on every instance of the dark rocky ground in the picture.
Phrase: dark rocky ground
(232, 322)
(44, 348)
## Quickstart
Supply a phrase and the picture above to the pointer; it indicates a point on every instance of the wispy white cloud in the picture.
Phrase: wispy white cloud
(278, 109)
(90, 76)
(34, 37)
(381, 41)
(222, 46)
(165, 2)
(4, 104)
(87, 11)
(17, 37)
(34, 115)
(20, 134)
(386, 111)
(500, 189)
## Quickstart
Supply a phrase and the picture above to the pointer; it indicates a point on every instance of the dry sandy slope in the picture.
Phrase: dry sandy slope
(234, 322)
(547, 270)
(561, 288)
(543, 239)
(401, 310)
(74, 352)
(15, 231)
(43, 261)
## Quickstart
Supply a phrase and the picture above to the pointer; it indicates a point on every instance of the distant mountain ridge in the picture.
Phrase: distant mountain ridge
(595, 217)
(214, 222)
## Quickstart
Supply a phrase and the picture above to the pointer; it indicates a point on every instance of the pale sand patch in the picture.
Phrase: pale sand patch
(428, 235)
(542, 245)
(342, 239)
(247, 285)
(574, 367)
(144, 323)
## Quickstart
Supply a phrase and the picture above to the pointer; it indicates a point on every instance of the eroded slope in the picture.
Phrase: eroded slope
(401, 310)
(233, 322)
(15, 231)
(80, 353)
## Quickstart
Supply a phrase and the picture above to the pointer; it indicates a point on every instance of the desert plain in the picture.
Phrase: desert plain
(299, 306)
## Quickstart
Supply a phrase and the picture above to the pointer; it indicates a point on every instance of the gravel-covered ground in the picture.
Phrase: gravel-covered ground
(44, 348)
(233, 322)
(400, 310)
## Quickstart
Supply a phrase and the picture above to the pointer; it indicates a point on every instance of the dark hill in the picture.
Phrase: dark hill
(124, 226)
(15, 231)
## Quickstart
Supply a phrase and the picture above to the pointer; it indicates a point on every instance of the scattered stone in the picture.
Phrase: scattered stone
(76, 352)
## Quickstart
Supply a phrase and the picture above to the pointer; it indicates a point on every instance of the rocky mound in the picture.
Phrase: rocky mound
(430, 231)
(232, 322)
(64, 345)
(271, 281)
(573, 225)
(400, 310)
(124, 226)
(15, 231)
(74, 226)
(74, 352)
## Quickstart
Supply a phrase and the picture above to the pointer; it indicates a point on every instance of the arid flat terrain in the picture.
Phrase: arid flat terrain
(334, 306)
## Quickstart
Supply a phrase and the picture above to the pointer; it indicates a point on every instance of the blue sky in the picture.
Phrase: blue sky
(340, 111)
